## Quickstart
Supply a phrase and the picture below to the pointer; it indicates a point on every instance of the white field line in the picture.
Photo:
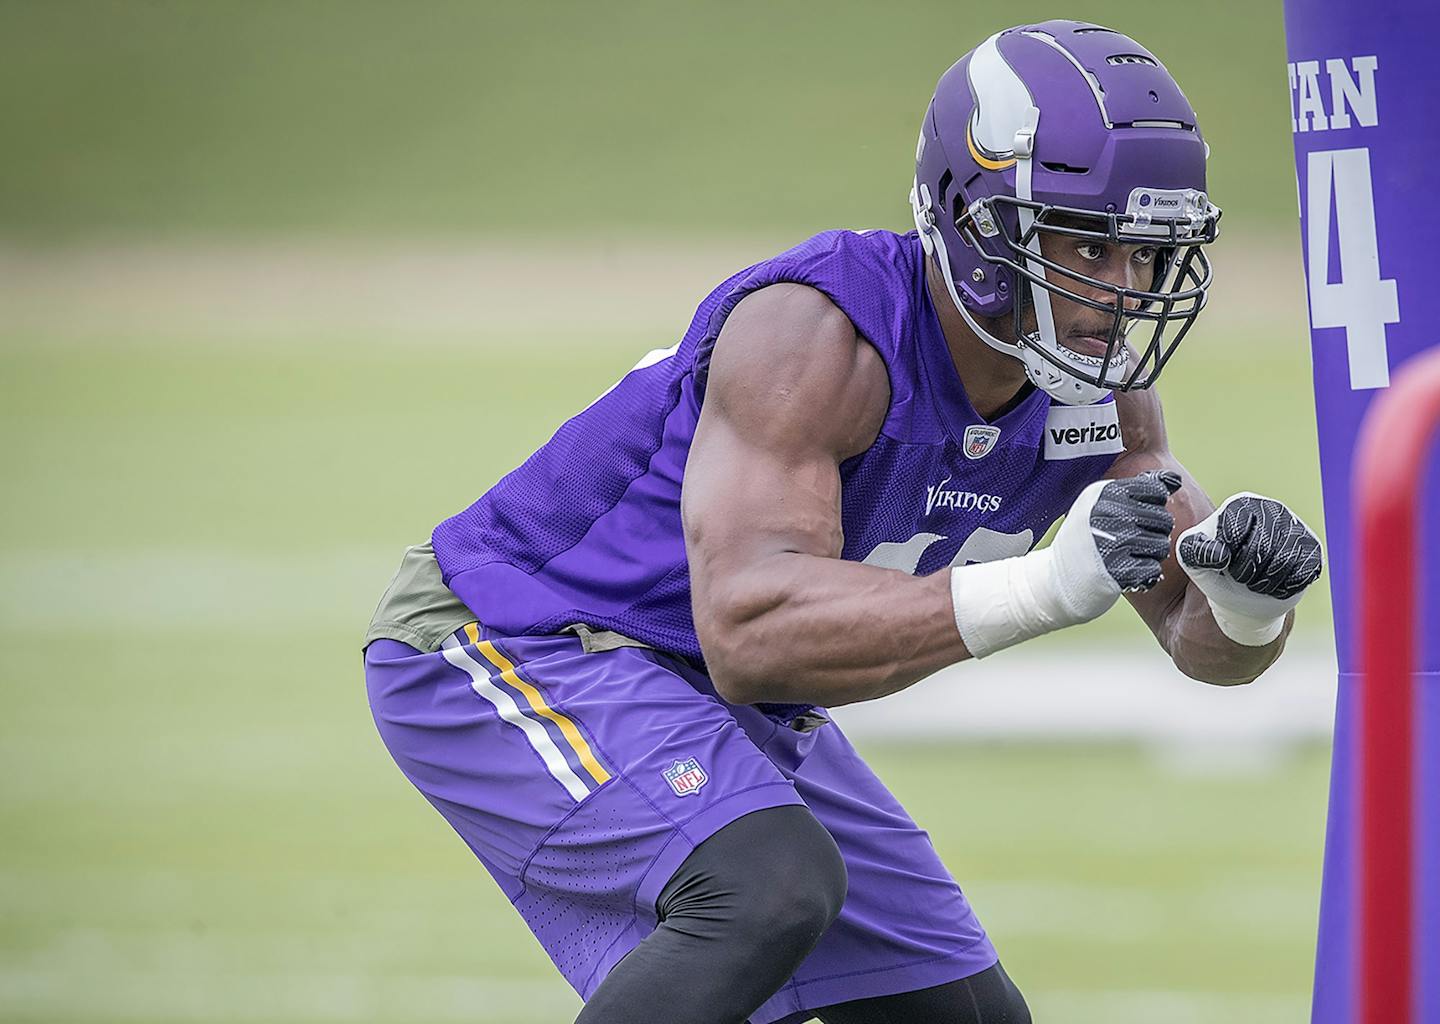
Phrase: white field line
(482, 289)
(1046, 692)
(1057, 692)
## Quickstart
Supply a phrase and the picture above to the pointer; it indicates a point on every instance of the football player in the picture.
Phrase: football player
(610, 672)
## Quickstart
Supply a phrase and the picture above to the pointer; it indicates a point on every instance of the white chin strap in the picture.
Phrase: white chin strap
(1045, 375)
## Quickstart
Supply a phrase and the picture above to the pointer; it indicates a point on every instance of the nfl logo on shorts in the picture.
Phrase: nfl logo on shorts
(979, 439)
(686, 777)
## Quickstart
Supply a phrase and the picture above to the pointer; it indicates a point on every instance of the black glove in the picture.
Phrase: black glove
(1253, 559)
(1131, 527)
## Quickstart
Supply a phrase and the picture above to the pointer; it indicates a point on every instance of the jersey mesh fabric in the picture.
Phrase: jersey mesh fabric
(1033, 495)
(588, 528)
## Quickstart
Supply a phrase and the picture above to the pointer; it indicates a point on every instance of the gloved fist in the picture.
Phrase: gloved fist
(1113, 539)
(1252, 558)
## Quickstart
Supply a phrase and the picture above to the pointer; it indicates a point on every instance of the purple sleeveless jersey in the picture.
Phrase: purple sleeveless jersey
(588, 528)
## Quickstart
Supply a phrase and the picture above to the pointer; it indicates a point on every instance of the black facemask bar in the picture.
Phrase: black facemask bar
(1181, 261)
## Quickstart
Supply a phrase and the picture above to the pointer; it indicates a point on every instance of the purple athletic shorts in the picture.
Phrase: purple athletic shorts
(582, 781)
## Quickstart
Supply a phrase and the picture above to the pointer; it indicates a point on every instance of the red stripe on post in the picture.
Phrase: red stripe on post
(1390, 470)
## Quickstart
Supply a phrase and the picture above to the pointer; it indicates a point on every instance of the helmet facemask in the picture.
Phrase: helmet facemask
(1175, 297)
(1117, 160)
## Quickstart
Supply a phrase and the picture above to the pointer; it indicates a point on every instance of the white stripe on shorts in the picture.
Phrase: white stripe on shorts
(480, 682)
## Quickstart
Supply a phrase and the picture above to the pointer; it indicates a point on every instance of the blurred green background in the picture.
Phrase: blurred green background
(284, 284)
(750, 115)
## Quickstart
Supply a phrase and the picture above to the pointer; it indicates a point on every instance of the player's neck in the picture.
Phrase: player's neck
(991, 379)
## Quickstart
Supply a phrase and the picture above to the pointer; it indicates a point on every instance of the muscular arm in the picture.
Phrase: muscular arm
(792, 393)
(1175, 609)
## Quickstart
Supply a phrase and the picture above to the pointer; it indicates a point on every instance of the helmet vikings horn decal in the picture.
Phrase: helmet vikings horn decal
(1071, 130)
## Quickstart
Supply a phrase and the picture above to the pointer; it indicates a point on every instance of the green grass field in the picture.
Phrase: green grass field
(199, 821)
(201, 824)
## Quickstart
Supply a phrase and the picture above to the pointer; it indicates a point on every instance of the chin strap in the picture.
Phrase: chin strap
(1024, 149)
(934, 244)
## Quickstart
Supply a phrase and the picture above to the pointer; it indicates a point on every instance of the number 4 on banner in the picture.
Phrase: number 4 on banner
(1360, 301)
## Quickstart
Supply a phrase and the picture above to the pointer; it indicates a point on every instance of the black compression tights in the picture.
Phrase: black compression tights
(737, 918)
(989, 997)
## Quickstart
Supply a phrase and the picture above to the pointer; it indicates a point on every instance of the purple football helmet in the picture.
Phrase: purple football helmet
(1077, 131)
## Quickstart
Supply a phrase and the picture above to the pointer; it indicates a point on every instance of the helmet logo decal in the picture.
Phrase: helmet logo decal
(981, 159)
(1001, 101)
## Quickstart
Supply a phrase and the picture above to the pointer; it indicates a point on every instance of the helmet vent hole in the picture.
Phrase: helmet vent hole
(1131, 58)
(1155, 123)
(1087, 29)
(1061, 168)
(945, 180)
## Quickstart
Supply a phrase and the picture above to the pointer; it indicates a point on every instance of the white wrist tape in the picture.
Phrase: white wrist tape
(1000, 604)
(1248, 630)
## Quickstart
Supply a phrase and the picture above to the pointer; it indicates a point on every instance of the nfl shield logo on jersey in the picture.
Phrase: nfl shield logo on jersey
(686, 777)
(979, 439)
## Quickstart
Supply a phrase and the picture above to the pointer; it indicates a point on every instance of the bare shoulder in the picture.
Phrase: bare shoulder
(790, 369)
